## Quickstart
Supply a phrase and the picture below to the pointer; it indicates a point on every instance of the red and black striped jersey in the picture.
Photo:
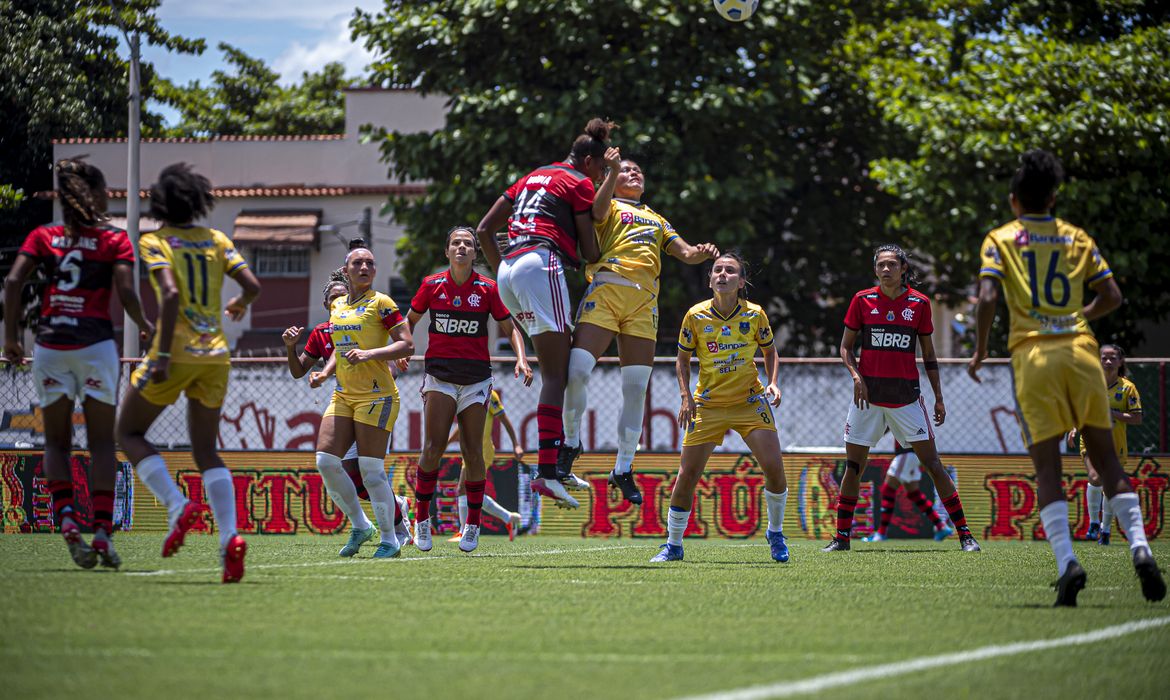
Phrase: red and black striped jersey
(319, 346)
(457, 348)
(889, 329)
(75, 309)
(543, 205)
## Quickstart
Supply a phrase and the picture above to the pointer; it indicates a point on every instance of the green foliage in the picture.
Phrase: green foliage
(248, 100)
(10, 197)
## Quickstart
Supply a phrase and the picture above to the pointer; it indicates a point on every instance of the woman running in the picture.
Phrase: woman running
(888, 318)
(75, 356)
(190, 355)
(725, 332)
(622, 302)
(458, 380)
(549, 214)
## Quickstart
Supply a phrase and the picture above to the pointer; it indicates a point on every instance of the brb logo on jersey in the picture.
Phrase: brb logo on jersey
(893, 339)
(450, 324)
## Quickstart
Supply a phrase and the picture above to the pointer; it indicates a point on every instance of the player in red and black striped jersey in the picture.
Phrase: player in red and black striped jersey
(75, 354)
(549, 217)
(889, 318)
(458, 380)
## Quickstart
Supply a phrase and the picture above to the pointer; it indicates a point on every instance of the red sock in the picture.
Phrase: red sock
(845, 508)
(925, 506)
(360, 485)
(424, 491)
(62, 494)
(955, 510)
(474, 500)
(103, 511)
(550, 430)
(889, 493)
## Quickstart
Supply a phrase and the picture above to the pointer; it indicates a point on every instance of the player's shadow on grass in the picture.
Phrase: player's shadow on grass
(905, 551)
(67, 570)
(209, 582)
(584, 566)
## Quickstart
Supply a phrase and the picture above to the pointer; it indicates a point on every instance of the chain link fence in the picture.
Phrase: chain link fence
(266, 409)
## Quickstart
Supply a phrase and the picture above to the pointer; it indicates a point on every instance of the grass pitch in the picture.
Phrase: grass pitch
(557, 617)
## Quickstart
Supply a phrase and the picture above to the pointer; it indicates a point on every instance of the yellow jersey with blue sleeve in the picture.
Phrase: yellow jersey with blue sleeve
(1124, 397)
(726, 348)
(495, 408)
(631, 239)
(363, 323)
(1043, 264)
(199, 258)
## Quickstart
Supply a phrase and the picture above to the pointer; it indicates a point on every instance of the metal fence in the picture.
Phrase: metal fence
(268, 410)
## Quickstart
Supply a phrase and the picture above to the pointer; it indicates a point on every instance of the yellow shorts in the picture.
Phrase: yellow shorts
(711, 423)
(621, 309)
(206, 383)
(378, 410)
(1059, 385)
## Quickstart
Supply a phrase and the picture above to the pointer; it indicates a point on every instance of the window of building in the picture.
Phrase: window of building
(280, 261)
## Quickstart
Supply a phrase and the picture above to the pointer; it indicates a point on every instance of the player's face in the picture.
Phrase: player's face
(726, 276)
(461, 248)
(360, 268)
(335, 292)
(1110, 360)
(630, 180)
(888, 268)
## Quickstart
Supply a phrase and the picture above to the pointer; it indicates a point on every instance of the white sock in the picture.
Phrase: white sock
(462, 500)
(342, 490)
(1055, 519)
(1129, 516)
(635, 379)
(676, 525)
(1093, 496)
(1106, 515)
(221, 494)
(776, 503)
(581, 364)
(373, 471)
(153, 472)
(494, 509)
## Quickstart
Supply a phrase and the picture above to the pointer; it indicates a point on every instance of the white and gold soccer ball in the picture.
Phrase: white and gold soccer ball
(736, 10)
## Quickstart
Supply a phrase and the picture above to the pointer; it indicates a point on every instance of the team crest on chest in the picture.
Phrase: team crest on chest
(889, 315)
(474, 299)
(458, 301)
(745, 327)
(908, 314)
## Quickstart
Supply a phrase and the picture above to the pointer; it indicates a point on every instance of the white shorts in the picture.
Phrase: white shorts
(532, 286)
(465, 395)
(908, 423)
(89, 371)
(905, 468)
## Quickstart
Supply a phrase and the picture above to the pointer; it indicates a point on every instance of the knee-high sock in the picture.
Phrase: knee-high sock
(342, 490)
(1129, 516)
(581, 363)
(924, 506)
(152, 471)
(676, 525)
(845, 507)
(103, 511)
(889, 496)
(939, 509)
(381, 495)
(955, 510)
(494, 509)
(221, 495)
(551, 433)
(1093, 497)
(1055, 519)
(424, 492)
(61, 492)
(462, 503)
(359, 485)
(474, 500)
(1106, 514)
(776, 503)
(635, 379)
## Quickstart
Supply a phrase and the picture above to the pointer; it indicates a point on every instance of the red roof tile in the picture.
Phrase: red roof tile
(284, 191)
(204, 139)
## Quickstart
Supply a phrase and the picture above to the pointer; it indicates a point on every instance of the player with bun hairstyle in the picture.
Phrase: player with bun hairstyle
(549, 215)
(725, 332)
(190, 355)
(75, 356)
(1044, 264)
(622, 302)
(887, 319)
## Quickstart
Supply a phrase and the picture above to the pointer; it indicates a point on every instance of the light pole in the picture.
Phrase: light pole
(129, 330)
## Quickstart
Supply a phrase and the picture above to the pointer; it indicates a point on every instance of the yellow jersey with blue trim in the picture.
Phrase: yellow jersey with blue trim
(1124, 397)
(198, 257)
(364, 323)
(726, 348)
(631, 238)
(1044, 264)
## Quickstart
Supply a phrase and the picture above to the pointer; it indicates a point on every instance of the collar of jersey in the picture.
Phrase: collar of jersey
(1035, 217)
(729, 316)
(451, 278)
(363, 296)
(631, 202)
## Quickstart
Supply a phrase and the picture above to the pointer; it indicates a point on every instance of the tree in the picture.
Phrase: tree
(249, 100)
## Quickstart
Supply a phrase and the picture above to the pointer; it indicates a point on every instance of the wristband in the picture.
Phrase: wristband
(931, 364)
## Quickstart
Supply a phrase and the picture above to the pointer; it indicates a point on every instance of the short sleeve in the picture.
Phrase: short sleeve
(581, 196)
(315, 345)
(1098, 269)
(686, 334)
(990, 261)
(669, 235)
(496, 305)
(1133, 400)
(764, 331)
(34, 244)
(422, 298)
(853, 314)
(233, 261)
(123, 250)
(512, 192)
(388, 310)
(153, 253)
(926, 319)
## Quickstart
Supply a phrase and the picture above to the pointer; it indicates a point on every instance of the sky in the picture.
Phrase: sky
(292, 36)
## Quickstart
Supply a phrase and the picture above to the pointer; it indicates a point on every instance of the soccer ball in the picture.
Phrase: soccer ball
(736, 10)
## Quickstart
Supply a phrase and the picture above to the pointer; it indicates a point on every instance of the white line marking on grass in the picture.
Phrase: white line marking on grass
(818, 684)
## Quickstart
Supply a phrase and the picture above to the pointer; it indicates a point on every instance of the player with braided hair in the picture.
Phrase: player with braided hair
(75, 356)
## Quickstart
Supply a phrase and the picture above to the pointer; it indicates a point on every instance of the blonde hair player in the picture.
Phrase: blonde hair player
(724, 333)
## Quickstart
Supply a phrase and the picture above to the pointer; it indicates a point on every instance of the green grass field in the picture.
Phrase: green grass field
(556, 617)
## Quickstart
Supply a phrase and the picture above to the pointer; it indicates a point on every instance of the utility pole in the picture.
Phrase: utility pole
(366, 227)
(129, 329)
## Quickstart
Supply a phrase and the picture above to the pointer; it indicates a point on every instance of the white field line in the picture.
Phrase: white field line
(817, 684)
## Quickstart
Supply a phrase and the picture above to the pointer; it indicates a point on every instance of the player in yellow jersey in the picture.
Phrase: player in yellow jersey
(1125, 408)
(495, 411)
(725, 332)
(622, 301)
(367, 332)
(187, 264)
(1043, 264)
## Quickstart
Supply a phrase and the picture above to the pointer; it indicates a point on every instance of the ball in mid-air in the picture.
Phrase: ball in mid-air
(736, 10)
